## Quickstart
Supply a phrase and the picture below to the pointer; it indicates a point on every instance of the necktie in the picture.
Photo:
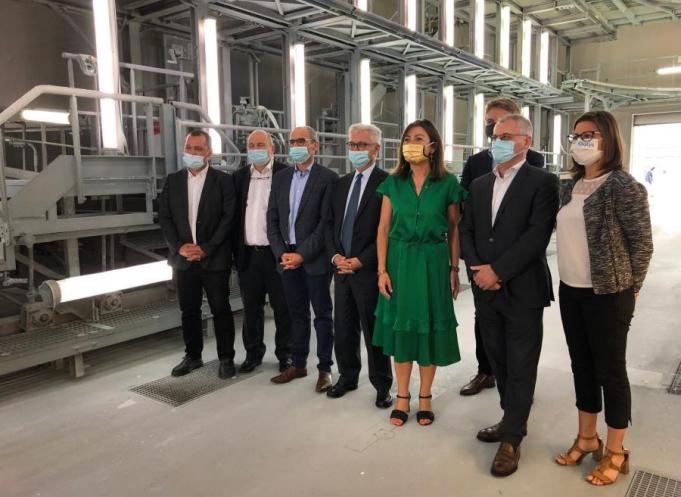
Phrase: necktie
(350, 215)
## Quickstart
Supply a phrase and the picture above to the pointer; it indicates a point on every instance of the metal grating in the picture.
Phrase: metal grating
(647, 484)
(200, 382)
(675, 386)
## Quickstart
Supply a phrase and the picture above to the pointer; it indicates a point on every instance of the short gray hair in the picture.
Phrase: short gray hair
(520, 120)
(311, 132)
(374, 130)
(267, 135)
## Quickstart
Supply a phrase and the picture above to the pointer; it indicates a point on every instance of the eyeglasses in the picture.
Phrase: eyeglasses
(587, 136)
(299, 142)
(504, 137)
(359, 145)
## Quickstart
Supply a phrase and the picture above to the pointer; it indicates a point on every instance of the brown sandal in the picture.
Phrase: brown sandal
(570, 461)
(606, 464)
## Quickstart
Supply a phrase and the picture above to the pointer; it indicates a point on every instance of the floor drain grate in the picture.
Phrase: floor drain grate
(646, 484)
(178, 391)
(675, 386)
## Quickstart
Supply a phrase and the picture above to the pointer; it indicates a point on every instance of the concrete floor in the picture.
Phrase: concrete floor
(93, 438)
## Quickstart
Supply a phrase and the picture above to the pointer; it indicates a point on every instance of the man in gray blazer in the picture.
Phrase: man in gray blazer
(296, 214)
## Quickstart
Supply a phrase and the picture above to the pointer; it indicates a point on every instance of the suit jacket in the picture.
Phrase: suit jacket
(214, 222)
(242, 183)
(515, 245)
(366, 223)
(481, 163)
(310, 221)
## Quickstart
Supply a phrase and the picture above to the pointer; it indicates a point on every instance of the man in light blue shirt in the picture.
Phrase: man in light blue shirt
(296, 216)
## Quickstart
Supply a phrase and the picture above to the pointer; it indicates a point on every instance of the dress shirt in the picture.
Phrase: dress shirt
(255, 220)
(298, 183)
(501, 185)
(194, 189)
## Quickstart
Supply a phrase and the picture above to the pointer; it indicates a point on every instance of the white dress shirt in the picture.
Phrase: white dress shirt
(194, 189)
(501, 186)
(255, 221)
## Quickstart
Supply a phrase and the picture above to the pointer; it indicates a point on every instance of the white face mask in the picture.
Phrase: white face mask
(586, 153)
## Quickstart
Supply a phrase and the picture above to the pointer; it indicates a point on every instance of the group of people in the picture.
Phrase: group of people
(392, 242)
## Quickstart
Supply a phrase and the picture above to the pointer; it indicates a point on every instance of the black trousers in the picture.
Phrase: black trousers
(512, 335)
(190, 286)
(484, 367)
(596, 329)
(258, 279)
(300, 290)
(355, 299)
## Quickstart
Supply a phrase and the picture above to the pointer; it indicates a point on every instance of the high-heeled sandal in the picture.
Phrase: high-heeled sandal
(399, 415)
(425, 415)
(606, 464)
(597, 453)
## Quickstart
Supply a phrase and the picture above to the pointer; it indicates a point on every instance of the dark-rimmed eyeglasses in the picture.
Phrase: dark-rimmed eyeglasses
(505, 137)
(359, 145)
(299, 142)
(586, 136)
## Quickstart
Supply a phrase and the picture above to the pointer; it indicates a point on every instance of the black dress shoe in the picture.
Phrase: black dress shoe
(249, 365)
(383, 399)
(284, 365)
(186, 366)
(492, 434)
(340, 388)
(227, 369)
(477, 384)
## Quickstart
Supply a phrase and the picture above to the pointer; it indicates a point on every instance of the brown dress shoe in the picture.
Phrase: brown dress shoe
(289, 374)
(492, 434)
(325, 382)
(477, 384)
(506, 461)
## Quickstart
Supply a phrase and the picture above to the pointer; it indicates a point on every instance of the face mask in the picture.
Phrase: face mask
(413, 153)
(258, 157)
(193, 161)
(358, 158)
(586, 153)
(502, 151)
(298, 155)
(489, 129)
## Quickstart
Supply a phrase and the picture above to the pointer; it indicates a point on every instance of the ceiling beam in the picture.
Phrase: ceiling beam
(627, 12)
(595, 16)
(653, 5)
(547, 7)
(558, 21)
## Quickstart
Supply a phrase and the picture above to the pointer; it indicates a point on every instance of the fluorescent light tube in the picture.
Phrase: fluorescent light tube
(365, 90)
(544, 58)
(449, 22)
(557, 138)
(90, 285)
(107, 70)
(45, 116)
(480, 28)
(663, 71)
(505, 37)
(297, 85)
(449, 123)
(526, 62)
(411, 14)
(411, 99)
(210, 40)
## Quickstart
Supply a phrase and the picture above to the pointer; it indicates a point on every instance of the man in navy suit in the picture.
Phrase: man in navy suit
(478, 165)
(296, 217)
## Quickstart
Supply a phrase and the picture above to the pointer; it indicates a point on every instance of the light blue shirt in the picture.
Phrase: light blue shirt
(298, 183)
(365, 179)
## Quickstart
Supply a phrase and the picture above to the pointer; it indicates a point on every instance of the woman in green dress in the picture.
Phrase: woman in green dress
(418, 264)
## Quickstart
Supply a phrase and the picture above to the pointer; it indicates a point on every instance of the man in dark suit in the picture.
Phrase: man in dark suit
(507, 224)
(296, 217)
(253, 255)
(197, 210)
(478, 165)
(351, 245)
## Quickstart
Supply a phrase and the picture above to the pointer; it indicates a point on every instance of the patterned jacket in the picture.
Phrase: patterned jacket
(618, 232)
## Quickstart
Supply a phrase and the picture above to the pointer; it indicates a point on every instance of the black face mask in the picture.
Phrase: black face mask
(489, 129)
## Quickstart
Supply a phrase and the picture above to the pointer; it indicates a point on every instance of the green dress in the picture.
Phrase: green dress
(417, 323)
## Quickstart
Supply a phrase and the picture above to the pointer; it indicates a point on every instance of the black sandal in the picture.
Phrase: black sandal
(425, 415)
(400, 415)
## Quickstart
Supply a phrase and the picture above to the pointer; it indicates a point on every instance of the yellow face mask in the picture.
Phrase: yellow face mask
(414, 153)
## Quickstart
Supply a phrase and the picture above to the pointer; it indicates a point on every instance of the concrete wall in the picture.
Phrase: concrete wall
(632, 60)
(32, 37)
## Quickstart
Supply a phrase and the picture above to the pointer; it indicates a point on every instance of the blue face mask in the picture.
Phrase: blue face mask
(502, 151)
(258, 157)
(358, 158)
(298, 155)
(193, 161)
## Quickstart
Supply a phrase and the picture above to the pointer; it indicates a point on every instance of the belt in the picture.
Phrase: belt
(258, 248)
